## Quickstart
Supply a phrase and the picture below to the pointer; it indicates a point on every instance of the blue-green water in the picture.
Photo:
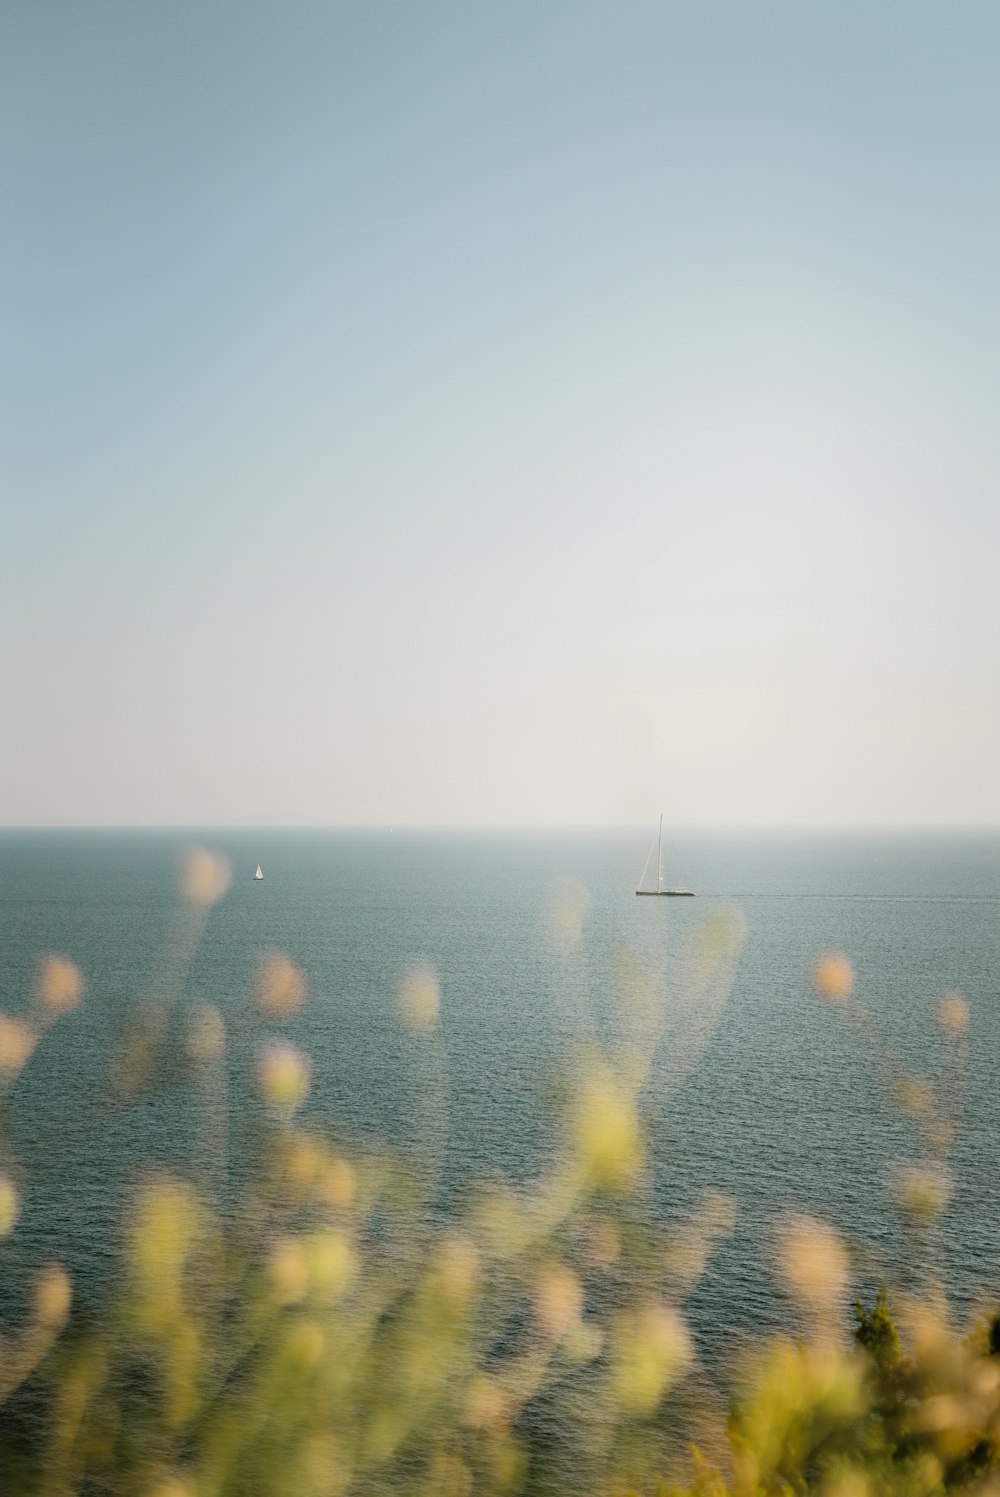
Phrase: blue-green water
(766, 1093)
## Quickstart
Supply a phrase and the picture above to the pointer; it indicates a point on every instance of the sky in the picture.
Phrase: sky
(546, 413)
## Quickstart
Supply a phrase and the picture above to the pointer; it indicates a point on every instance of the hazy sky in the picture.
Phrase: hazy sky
(500, 413)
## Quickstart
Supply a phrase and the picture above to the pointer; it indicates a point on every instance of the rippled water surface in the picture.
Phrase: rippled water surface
(766, 1094)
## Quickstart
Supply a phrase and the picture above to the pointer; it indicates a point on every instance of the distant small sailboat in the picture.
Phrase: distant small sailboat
(660, 890)
(258, 875)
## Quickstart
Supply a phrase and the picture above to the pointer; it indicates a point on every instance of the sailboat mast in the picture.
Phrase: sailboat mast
(659, 855)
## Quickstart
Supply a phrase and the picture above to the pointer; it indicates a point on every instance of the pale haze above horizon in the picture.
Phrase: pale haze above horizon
(500, 414)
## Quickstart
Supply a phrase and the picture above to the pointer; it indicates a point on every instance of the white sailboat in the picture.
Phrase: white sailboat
(665, 893)
(258, 875)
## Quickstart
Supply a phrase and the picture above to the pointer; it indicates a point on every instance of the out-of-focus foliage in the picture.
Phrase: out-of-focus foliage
(332, 1334)
(912, 1406)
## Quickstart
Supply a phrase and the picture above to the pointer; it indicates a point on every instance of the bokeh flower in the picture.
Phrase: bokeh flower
(10, 1205)
(953, 1014)
(283, 1076)
(833, 977)
(558, 1299)
(487, 1407)
(922, 1191)
(606, 1130)
(59, 984)
(53, 1297)
(813, 1262)
(163, 1229)
(281, 986)
(288, 1271)
(303, 1162)
(205, 877)
(17, 1041)
(915, 1095)
(336, 1184)
(652, 1347)
(332, 1263)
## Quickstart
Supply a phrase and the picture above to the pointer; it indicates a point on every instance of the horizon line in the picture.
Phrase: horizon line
(182, 828)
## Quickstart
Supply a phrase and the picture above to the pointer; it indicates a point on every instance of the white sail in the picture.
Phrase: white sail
(258, 875)
(657, 842)
(645, 865)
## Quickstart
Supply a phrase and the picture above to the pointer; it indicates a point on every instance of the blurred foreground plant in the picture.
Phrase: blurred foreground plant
(332, 1334)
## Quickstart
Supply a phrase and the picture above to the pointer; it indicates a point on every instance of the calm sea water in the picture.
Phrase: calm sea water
(761, 1091)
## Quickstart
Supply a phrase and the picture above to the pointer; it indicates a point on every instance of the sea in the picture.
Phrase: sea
(752, 1085)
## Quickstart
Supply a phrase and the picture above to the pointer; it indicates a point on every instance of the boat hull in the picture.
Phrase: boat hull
(667, 893)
